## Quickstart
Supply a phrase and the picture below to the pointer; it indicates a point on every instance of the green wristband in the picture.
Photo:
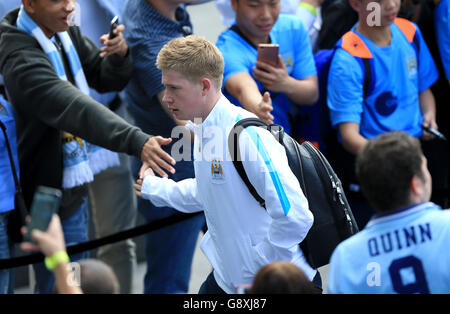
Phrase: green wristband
(308, 7)
(56, 259)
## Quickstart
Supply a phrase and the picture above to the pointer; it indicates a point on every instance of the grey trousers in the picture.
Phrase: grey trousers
(113, 206)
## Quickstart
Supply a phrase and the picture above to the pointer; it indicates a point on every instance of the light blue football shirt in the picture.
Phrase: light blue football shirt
(405, 251)
(399, 77)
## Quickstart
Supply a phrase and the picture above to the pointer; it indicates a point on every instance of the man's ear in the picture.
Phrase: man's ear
(416, 187)
(206, 85)
(355, 4)
(28, 5)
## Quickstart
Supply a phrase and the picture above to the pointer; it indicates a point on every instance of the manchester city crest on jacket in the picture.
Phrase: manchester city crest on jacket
(216, 170)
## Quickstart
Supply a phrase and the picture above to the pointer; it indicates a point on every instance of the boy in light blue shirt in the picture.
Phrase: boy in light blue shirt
(403, 247)
(380, 80)
(402, 72)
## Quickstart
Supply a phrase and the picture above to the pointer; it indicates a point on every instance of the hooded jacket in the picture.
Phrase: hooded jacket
(45, 105)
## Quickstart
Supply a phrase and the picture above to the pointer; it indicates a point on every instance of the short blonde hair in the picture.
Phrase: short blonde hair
(194, 57)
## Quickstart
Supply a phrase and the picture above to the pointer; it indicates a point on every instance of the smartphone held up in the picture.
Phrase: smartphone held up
(268, 53)
(114, 23)
(45, 203)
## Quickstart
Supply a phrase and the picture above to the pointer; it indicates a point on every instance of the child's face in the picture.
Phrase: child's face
(379, 12)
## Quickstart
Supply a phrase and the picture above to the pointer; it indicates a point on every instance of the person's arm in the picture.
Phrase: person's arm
(276, 79)
(345, 98)
(285, 202)
(36, 90)
(428, 108)
(352, 140)
(62, 273)
(243, 87)
(162, 192)
(51, 243)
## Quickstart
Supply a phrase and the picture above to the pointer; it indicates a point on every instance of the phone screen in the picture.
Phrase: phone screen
(45, 203)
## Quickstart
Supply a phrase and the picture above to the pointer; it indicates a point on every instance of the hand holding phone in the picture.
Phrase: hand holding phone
(45, 203)
(114, 23)
(434, 132)
(268, 53)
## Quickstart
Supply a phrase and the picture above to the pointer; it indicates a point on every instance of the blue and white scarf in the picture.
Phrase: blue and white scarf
(81, 160)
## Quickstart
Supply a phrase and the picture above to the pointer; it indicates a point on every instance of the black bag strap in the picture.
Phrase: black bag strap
(367, 77)
(13, 166)
(235, 153)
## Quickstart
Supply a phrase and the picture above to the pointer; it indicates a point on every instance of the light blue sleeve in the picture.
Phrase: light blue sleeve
(442, 25)
(304, 65)
(237, 57)
(428, 72)
(345, 89)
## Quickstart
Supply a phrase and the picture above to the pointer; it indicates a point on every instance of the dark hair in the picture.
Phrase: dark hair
(385, 168)
(97, 278)
(282, 278)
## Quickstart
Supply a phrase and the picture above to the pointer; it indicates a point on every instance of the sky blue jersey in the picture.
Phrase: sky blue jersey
(400, 74)
(405, 251)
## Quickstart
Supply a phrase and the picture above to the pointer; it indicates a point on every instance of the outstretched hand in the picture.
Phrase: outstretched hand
(153, 156)
(264, 108)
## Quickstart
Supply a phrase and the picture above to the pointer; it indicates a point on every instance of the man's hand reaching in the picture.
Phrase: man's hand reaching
(153, 156)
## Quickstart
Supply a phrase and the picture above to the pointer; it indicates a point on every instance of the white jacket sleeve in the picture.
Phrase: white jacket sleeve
(182, 195)
(277, 185)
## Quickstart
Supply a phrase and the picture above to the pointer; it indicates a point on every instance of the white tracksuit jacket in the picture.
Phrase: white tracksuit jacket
(242, 236)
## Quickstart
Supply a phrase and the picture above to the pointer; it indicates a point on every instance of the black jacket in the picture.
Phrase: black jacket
(46, 105)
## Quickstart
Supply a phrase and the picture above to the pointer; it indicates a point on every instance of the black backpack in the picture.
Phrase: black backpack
(333, 218)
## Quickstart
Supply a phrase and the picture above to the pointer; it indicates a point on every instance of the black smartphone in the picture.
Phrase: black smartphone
(45, 203)
(114, 23)
(434, 132)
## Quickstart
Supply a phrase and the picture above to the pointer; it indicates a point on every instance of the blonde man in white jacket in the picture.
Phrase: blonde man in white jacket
(242, 236)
